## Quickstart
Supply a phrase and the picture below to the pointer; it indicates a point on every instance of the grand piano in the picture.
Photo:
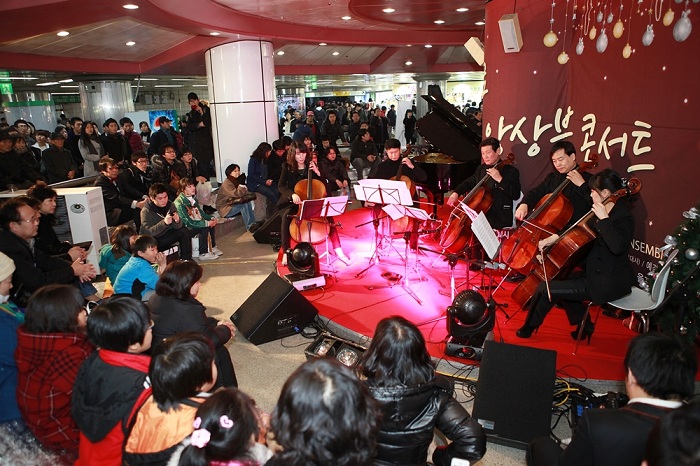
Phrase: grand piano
(453, 153)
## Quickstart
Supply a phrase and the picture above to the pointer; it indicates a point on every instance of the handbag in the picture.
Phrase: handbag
(247, 197)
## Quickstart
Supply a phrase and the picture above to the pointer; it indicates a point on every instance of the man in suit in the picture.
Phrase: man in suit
(660, 376)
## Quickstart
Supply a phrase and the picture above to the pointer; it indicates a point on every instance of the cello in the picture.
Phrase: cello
(317, 228)
(458, 232)
(550, 215)
(559, 258)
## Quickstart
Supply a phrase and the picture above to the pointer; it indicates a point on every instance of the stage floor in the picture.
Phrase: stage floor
(357, 298)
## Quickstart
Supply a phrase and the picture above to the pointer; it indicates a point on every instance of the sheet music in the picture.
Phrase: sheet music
(484, 233)
(398, 211)
(383, 191)
(471, 213)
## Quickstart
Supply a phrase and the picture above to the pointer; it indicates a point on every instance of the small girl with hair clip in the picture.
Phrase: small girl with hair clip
(227, 429)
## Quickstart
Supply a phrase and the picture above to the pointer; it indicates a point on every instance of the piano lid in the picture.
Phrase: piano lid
(447, 129)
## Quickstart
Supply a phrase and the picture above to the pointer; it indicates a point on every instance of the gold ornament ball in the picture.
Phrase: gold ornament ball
(550, 39)
(592, 33)
(563, 58)
(668, 17)
(627, 51)
(618, 29)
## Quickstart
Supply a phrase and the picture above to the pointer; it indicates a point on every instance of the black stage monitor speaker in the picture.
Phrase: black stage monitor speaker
(269, 232)
(275, 310)
(514, 393)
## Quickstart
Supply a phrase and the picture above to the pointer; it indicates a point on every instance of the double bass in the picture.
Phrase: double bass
(458, 233)
(312, 230)
(550, 215)
(559, 258)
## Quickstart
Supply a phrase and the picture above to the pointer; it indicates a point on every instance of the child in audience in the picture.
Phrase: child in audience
(111, 379)
(51, 346)
(11, 317)
(137, 278)
(196, 220)
(114, 256)
(182, 370)
(227, 427)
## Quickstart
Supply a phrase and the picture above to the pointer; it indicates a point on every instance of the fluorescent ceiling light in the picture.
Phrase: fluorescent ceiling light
(48, 84)
(65, 93)
(2, 78)
(146, 79)
(169, 85)
(199, 85)
(65, 81)
(182, 79)
(66, 87)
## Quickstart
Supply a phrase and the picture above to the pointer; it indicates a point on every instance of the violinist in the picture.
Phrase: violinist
(563, 154)
(299, 162)
(607, 271)
(503, 184)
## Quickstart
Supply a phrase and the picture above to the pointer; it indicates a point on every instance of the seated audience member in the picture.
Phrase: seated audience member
(182, 371)
(111, 378)
(160, 219)
(135, 178)
(324, 416)
(400, 375)
(675, 439)
(119, 207)
(660, 376)
(275, 161)
(90, 148)
(46, 239)
(11, 317)
(14, 170)
(116, 254)
(196, 220)
(229, 199)
(227, 427)
(167, 169)
(363, 154)
(190, 166)
(333, 171)
(19, 220)
(57, 162)
(27, 153)
(137, 277)
(259, 181)
(51, 346)
(176, 310)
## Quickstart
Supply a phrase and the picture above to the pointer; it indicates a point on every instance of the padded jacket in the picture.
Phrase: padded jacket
(409, 416)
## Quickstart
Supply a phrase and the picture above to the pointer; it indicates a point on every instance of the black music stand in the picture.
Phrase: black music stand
(332, 207)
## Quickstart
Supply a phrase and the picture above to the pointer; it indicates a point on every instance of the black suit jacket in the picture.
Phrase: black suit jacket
(115, 200)
(500, 215)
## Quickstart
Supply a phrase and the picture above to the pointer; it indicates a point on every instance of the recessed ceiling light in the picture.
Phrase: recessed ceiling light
(281, 52)
(439, 21)
(428, 46)
(480, 23)
(461, 10)
(322, 44)
(214, 33)
(62, 33)
(131, 43)
(130, 6)
(336, 53)
(346, 18)
(409, 63)
(409, 45)
(388, 10)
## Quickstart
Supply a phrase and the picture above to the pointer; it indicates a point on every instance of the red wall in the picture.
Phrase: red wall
(652, 99)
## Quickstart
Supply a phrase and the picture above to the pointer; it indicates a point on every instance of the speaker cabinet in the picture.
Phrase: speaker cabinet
(514, 393)
(275, 310)
(269, 232)
(475, 49)
(510, 33)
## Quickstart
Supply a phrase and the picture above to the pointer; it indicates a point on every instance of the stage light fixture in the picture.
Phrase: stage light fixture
(303, 260)
(331, 346)
(469, 322)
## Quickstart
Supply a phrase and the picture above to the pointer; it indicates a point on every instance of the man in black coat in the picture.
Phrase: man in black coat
(114, 143)
(164, 135)
(660, 376)
(119, 207)
(200, 140)
(14, 170)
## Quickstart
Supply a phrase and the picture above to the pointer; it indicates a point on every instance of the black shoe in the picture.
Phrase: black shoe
(209, 209)
(588, 329)
(526, 331)
(254, 227)
(516, 277)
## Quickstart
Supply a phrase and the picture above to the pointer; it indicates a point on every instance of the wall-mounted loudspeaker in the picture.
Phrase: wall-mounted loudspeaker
(476, 49)
(510, 33)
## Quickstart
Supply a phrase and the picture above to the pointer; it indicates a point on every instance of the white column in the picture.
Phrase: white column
(241, 80)
(105, 99)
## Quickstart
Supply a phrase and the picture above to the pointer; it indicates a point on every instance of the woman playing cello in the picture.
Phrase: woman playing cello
(299, 162)
(608, 273)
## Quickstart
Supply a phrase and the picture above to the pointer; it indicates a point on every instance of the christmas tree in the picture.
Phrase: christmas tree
(681, 313)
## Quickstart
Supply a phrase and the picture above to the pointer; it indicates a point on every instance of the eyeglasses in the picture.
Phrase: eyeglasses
(35, 219)
(169, 151)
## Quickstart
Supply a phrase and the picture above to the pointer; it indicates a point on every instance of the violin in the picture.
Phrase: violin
(559, 258)
(458, 232)
(317, 228)
(550, 215)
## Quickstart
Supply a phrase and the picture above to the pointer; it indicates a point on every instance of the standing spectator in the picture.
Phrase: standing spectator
(74, 131)
(160, 219)
(30, 156)
(332, 129)
(145, 134)
(391, 118)
(57, 162)
(42, 141)
(258, 180)
(133, 139)
(119, 207)
(409, 127)
(51, 346)
(164, 135)
(354, 126)
(90, 148)
(378, 128)
(298, 120)
(114, 143)
(196, 220)
(23, 128)
(200, 139)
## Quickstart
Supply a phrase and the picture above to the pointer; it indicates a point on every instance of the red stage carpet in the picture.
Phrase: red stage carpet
(358, 303)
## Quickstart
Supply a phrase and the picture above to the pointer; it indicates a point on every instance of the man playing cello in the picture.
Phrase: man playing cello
(503, 184)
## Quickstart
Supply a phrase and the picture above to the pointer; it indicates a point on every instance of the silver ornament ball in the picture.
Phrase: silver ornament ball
(691, 254)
